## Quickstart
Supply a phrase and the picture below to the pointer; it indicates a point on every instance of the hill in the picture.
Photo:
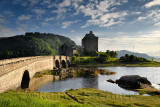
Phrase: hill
(123, 52)
(32, 44)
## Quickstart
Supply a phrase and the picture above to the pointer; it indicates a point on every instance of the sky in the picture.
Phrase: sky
(119, 24)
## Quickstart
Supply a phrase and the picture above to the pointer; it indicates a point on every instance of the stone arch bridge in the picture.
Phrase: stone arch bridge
(17, 72)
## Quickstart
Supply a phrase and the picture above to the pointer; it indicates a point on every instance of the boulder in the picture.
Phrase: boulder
(133, 81)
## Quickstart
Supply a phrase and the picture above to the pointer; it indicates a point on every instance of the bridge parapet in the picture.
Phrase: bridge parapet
(6, 61)
(12, 64)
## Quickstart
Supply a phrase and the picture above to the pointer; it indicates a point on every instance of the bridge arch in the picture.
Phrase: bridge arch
(64, 65)
(57, 63)
(25, 80)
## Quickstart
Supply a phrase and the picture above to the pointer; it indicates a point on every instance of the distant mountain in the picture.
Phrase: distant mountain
(157, 59)
(124, 52)
(32, 44)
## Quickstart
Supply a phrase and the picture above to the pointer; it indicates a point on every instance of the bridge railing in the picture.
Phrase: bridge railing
(5, 61)
(8, 67)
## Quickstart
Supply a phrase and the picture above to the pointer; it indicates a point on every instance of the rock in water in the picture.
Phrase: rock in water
(133, 81)
(110, 81)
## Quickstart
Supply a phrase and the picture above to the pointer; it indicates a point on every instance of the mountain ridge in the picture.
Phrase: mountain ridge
(123, 52)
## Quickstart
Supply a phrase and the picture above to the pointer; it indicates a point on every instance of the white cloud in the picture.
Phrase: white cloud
(107, 20)
(6, 32)
(46, 2)
(33, 2)
(51, 5)
(3, 20)
(157, 24)
(68, 23)
(8, 13)
(24, 17)
(67, 3)
(26, 2)
(77, 39)
(38, 11)
(45, 24)
(62, 7)
(49, 19)
(59, 10)
(60, 13)
(34, 28)
(153, 15)
(102, 13)
(72, 31)
(136, 13)
(106, 4)
(141, 18)
(152, 3)
(151, 38)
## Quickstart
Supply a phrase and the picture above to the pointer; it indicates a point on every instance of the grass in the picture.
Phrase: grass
(149, 91)
(84, 97)
(46, 72)
(35, 99)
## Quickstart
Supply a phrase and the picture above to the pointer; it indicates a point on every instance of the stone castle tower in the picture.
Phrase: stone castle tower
(90, 44)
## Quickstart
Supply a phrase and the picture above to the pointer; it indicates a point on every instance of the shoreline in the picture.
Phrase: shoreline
(83, 97)
(115, 65)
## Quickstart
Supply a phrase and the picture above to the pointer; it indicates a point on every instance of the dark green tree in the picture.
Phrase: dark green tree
(103, 57)
(112, 54)
(77, 55)
(32, 44)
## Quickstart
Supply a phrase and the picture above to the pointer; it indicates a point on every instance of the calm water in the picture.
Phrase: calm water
(152, 73)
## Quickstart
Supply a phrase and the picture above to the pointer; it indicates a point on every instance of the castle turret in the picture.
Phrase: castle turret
(90, 43)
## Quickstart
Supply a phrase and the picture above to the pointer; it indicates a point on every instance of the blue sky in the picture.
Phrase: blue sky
(119, 24)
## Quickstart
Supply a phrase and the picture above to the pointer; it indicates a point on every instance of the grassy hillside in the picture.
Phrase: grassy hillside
(32, 44)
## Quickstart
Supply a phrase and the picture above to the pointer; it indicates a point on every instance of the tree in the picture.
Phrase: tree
(122, 59)
(74, 58)
(108, 52)
(77, 55)
(103, 57)
(127, 57)
(112, 54)
(132, 58)
(32, 44)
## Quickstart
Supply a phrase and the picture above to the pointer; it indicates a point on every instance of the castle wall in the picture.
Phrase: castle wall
(90, 44)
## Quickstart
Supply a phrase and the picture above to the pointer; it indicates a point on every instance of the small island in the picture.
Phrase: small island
(108, 58)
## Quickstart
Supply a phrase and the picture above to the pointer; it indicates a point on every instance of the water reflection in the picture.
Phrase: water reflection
(152, 73)
(90, 82)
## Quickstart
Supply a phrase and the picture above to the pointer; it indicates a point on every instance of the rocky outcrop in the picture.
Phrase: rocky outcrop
(105, 72)
(110, 81)
(133, 81)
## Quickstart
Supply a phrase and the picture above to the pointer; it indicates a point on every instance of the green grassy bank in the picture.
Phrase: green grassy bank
(92, 62)
(85, 97)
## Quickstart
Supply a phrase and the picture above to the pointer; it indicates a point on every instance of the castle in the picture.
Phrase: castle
(89, 46)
